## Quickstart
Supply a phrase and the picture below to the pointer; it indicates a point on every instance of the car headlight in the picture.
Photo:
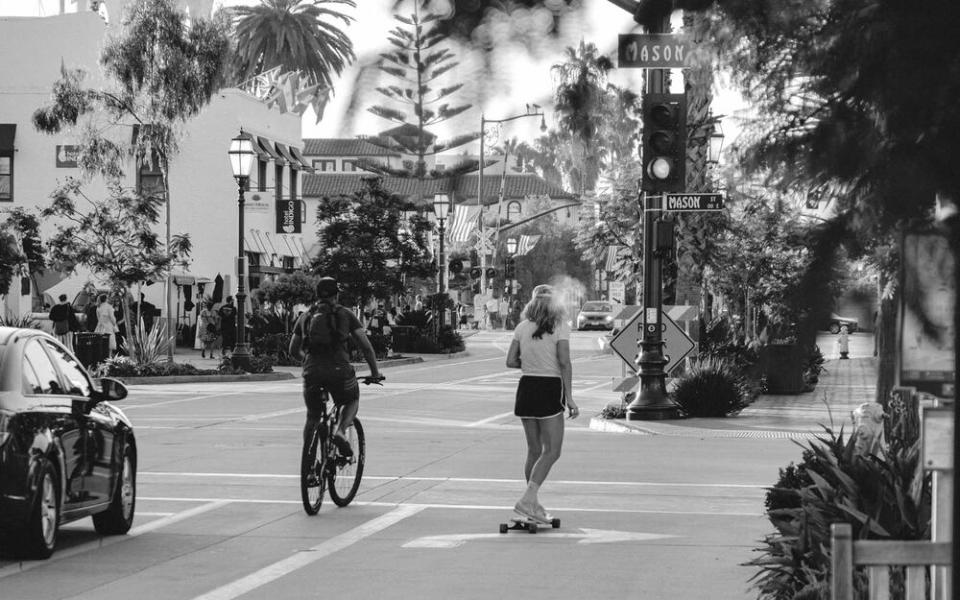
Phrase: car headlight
(608, 318)
(4, 426)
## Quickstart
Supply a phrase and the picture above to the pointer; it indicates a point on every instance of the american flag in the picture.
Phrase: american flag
(527, 243)
(464, 222)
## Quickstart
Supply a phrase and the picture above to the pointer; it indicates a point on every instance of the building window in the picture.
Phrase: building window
(326, 166)
(349, 166)
(261, 175)
(6, 177)
(513, 211)
(294, 179)
(440, 167)
(288, 263)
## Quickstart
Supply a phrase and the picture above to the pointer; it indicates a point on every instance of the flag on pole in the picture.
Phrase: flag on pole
(527, 243)
(464, 222)
(611, 258)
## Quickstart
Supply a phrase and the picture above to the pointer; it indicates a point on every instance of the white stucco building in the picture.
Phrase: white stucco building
(203, 193)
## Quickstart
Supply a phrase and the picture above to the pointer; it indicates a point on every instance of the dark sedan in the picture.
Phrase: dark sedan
(65, 452)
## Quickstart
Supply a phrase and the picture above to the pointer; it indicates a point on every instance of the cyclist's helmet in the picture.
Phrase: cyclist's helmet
(327, 287)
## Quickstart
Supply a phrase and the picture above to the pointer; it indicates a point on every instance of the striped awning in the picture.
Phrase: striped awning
(285, 153)
(253, 243)
(267, 146)
(301, 159)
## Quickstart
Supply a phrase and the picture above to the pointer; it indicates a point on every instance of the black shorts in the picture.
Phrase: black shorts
(539, 397)
(341, 383)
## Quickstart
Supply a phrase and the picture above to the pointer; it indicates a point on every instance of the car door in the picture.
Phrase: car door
(96, 424)
(42, 382)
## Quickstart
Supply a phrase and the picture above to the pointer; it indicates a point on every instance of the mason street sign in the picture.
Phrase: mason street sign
(652, 51)
(689, 202)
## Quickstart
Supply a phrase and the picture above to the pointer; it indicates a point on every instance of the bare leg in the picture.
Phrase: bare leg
(534, 447)
(551, 439)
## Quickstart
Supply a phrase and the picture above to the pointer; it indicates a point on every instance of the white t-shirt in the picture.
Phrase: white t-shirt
(539, 357)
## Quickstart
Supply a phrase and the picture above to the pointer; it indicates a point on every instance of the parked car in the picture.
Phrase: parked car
(65, 451)
(836, 322)
(595, 314)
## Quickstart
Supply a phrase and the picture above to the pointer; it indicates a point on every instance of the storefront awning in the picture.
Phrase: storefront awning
(267, 146)
(188, 279)
(300, 158)
(285, 153)
(261, 153)
(252, 242)
(287, 248)
(8, 132)
(298, 242)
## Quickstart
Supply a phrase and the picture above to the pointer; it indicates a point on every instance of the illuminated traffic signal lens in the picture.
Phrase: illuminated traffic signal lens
(660, 168)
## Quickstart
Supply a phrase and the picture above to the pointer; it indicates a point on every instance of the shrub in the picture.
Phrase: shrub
(275, 345)
(122, 366)
(147, 347)
(258, 364)
(711, 388)
(812, 367)
(884, 496)
(450, 339)
(22, 322)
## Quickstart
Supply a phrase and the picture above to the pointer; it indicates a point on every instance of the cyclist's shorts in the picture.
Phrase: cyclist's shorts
(539, 397)
(340, 382)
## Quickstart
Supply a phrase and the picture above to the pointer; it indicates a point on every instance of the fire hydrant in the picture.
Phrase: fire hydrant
(843, 343)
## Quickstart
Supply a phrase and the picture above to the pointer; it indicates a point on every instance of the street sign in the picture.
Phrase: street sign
(690, 202)
(652, 51)
(677, 343)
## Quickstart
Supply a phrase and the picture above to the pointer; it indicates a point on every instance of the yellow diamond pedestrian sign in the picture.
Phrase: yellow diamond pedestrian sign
(677, 344)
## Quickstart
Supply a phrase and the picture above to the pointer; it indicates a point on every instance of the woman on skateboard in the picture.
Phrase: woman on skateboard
(541, 350)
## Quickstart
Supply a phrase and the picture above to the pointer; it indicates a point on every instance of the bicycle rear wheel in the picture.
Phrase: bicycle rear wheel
(344, 473)
(312, 481)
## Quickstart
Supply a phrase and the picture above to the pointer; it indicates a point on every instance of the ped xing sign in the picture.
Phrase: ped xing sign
(677, 344)
(688, 202)
(652, 51)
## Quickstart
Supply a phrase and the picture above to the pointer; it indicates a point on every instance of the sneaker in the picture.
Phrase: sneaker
(313, 480)
(534, 512)
(343, 446)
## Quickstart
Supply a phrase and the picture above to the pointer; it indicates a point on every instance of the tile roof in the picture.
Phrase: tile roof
(516, 185)
(343, 147)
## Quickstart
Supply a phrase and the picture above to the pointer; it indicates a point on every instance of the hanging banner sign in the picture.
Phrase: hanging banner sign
(67, 156)
(288, 216)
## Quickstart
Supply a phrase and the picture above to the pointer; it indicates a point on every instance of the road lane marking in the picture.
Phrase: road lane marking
(209, 505)
(311, 555)
(490, 419)
(584, 536)
(581, 482)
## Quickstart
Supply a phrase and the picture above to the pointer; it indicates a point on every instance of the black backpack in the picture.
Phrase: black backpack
(321, 329)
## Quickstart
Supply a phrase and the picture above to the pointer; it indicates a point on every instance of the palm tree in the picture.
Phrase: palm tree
(294, 35)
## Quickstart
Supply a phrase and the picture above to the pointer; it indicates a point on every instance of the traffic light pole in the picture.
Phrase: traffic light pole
(651, 402)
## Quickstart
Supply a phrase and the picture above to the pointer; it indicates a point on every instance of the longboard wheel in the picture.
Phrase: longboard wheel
(503, 528)
(555, 523)
(532, 527)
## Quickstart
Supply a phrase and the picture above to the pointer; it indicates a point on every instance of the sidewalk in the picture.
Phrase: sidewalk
(844, 386)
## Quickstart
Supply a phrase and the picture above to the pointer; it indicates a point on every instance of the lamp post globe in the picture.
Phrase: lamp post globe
(241, 159)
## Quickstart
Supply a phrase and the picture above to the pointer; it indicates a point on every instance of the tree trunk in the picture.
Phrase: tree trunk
(886, 334)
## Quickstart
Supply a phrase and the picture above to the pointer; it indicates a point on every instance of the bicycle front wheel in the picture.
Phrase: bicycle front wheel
(312, 481)
(344, 473)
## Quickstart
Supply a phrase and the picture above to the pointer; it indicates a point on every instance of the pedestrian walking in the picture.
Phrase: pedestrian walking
(541, 350)
(64, 322)
(208, 329)
(107, 321)
(228, 326)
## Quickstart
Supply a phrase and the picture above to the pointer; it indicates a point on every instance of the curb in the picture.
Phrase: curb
(613, 426)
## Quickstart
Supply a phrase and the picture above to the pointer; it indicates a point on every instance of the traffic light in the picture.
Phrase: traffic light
(456, 266)
(475, 273)
(510, 270)
(491, 273)
(664, 150)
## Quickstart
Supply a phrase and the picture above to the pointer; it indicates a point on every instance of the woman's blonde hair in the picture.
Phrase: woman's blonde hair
(545, 309)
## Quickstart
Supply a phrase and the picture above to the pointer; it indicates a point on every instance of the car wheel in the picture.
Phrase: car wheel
(39, 537)
(834, 328)
(118, 518)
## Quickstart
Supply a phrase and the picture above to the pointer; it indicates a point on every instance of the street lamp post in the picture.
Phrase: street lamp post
(482, 244)
(441, 208)
(241, 159)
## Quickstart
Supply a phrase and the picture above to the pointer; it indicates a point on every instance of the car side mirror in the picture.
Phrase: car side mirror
(110, 389)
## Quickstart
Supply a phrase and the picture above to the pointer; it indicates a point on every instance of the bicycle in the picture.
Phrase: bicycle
(322, 465)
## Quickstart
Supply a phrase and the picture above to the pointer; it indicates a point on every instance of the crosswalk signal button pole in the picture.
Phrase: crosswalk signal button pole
(664, 142)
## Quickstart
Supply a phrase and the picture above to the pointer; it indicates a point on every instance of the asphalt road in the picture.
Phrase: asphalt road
(219, 514)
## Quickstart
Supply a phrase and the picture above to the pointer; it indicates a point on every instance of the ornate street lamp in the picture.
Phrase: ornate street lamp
(441, 208)
(716, 144)
(241, 159)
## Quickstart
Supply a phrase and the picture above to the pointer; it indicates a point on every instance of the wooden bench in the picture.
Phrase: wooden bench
(878, 556)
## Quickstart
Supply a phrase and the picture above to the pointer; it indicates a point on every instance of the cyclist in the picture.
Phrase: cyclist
(327, 366)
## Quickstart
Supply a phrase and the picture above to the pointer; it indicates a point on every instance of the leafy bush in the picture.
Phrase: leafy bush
(812, 366)
(147, 348)
(381, 344)
(275, 345)
(421, 319)
(258, 364)
(883, 496)
(123, 366)
(450, 339)
(711, 388)
(22, 322)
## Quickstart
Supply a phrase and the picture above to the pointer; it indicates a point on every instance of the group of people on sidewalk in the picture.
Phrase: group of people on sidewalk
(100, 316)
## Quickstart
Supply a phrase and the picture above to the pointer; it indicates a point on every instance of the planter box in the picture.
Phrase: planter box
(783, 368)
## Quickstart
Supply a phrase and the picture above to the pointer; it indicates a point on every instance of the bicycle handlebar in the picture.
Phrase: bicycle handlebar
(367, 380)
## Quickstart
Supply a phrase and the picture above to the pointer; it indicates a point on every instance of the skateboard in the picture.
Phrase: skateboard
(521, 523)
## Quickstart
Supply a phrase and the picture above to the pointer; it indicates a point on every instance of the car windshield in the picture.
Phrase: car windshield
(596, 307)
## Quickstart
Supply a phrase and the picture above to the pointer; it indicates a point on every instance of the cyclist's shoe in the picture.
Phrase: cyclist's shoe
(312, 480)
(534, 512)
(343, 446)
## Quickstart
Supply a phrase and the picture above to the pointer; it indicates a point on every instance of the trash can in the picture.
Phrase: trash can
(92, 348)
